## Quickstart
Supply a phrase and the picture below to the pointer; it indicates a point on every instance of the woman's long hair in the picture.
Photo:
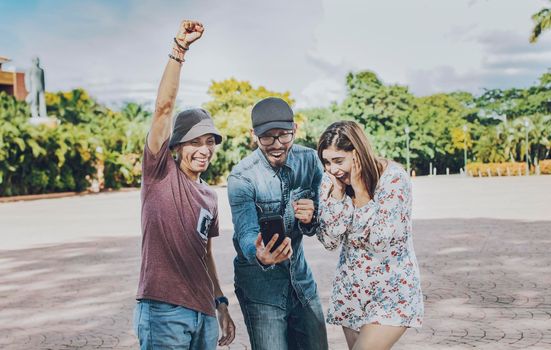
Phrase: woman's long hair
(348, 136)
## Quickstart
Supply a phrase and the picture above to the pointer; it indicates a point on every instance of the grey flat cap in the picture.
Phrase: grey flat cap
(193, 123)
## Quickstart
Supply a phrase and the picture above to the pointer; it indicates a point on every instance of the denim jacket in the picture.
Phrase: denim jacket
(255, 190)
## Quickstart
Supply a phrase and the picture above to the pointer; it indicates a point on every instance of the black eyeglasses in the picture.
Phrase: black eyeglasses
(270, 140)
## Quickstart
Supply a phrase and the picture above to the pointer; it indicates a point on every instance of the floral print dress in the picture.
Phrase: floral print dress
(377, 279)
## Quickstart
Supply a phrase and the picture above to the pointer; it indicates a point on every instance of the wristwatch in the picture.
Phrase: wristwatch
(221, 300)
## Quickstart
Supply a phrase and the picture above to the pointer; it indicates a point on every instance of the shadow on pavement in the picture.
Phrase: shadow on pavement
(486, 283)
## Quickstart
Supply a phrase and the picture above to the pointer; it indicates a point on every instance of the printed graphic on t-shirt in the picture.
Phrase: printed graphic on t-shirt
(203, 225)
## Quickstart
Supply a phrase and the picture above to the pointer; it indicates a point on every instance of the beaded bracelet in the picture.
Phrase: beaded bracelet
(180, 46)
(180, 60)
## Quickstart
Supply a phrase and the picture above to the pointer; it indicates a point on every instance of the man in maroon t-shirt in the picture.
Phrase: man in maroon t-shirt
(179, 293)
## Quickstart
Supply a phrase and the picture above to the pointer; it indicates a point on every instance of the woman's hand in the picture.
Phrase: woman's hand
(338, 187)
(361, 195)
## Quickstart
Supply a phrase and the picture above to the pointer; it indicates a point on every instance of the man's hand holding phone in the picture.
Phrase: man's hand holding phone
(263, 252)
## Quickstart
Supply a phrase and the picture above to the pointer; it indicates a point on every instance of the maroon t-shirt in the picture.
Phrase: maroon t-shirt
(178, 216)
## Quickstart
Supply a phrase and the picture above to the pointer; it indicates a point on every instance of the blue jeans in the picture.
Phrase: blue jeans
(295, 327)
(163, 326)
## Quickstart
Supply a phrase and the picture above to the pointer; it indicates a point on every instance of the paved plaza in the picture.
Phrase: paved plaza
(69, 267)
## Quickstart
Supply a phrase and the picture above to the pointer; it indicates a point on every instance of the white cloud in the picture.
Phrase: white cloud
(321, 93)
(118, 50)
(443, 79)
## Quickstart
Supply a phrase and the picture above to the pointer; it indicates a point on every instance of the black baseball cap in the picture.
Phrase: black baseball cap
(272, 113)
(193, 123)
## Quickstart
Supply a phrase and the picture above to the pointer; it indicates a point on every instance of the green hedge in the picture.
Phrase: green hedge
(42, 159)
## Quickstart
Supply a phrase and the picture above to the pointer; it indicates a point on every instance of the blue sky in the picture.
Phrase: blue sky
(117, 49)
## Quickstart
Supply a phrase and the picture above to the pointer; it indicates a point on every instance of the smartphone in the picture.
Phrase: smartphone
(269, 226)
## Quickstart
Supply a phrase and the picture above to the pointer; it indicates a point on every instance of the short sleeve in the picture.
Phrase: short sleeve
(155, 166)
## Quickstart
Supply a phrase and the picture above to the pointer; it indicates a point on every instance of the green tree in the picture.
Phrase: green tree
(489, 136)
(74, 107)
(542, 22)
(539, 137)
(382, 110)
(316, 120)
(438, 135)
(386, 111)
(230, 106)
(40, 159)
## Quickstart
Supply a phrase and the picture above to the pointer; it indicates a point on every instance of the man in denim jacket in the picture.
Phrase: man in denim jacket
(276, 290)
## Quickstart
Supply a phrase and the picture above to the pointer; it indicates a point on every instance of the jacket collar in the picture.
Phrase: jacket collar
(267, 165)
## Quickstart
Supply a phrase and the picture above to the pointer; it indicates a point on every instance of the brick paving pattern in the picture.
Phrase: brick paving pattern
(487, 285)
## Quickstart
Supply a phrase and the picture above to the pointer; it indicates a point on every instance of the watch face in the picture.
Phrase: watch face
(222, 300)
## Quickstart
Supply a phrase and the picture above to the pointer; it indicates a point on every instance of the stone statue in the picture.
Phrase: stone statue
(36, 87)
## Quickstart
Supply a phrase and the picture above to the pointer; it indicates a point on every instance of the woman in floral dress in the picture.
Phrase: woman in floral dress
(365, 205)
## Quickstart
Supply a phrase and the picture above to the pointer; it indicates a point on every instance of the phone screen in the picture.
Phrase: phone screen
(269, 226)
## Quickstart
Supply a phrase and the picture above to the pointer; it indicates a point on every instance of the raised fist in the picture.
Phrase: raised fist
(189, 32)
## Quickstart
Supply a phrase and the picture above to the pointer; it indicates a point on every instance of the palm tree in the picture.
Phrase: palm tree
(542, 21)
(507, 138)
(541, 136)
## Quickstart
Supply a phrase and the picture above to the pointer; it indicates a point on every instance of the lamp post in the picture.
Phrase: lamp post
(406, 129)
(465, 146)
(526, 124)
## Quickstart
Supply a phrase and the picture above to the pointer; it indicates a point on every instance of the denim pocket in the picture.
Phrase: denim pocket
(267, 208)
(252, 285)
(159, 307)
(137, 318)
